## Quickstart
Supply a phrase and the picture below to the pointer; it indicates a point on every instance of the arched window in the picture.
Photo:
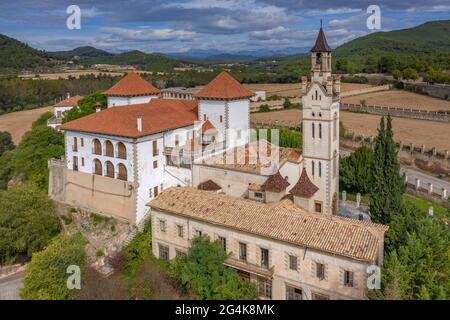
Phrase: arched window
(97, 147)
(121, 151)
(109, 169)
(98, 168)
(316, 94)
(312, 168)
(313, 130)
(320, 169)
(109, 149)
(123, 175)
(320, 131)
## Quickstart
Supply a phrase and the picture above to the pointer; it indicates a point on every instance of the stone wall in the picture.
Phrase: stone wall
(441, 91)
(399, 112)
(93, 193)
(364, 91)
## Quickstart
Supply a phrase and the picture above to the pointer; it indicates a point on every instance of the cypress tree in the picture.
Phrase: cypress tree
(387, 184)
(378, 190)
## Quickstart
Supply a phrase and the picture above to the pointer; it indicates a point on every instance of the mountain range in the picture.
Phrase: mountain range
(430, 37)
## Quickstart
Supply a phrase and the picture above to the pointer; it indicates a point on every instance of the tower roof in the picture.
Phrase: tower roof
(321, 44)
(132, 85)
(304, 187)
(224, 87)
(275, 183)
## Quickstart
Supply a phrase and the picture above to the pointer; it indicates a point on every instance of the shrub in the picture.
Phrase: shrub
(138, 250)
(28, 221)
(42, 120)
(99, 253)
(46, 275)
(6, 142)
(67, 219)
(264, 108)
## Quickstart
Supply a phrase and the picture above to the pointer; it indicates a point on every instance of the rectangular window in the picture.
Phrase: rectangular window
(162, 225)
(155, 164)
(163, 252)
(320, 271)
(82, 142)
(180, 231)
(293, 263)
(293, 293)
(204, 117)
(177, 140)
(320, 131)
(75, 164)
(242, 251)
(258, 195)
(348, 278)
(313, 131)
(221, 119)
(179, 253)
(82, 162)
(75, 144)
(265, 287)
(265, 258)
(318, 207)
(155, 148)
(223, 241)
(319, 296)
(155, 191)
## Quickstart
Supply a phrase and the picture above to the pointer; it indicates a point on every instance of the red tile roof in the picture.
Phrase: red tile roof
(70, 102)
(304, 187)
(209, 185)
(132, 85)
(224, 87)
(207, 128)
(157, 116)
(275, 183)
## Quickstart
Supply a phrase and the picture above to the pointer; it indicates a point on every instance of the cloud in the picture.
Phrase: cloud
(148, 34)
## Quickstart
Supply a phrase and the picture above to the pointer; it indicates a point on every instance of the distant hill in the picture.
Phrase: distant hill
(83, 53)
(430, 37)
(17, 55)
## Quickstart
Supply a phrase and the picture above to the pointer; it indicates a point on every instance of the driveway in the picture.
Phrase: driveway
(9, 287)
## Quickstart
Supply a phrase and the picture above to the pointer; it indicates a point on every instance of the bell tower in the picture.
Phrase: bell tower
(321, 127)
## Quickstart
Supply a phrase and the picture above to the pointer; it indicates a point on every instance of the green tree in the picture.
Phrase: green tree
(386, 187)
(29, 161)
(28, 221)
(86, 106)
(6, 142)
(42, 120)
(397, 74)
(354, 172)
(410, 73)
(203, 272)
(46, 275)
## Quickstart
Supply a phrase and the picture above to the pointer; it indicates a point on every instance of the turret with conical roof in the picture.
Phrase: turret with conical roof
(321, 57)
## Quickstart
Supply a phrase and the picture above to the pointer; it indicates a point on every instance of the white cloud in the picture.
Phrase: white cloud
(149, 34)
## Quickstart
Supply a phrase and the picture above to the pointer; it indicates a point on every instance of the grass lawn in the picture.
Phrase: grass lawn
(422, 204)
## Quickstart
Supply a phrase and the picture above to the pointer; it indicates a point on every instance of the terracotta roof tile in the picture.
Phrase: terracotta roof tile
(224, 87)
(70, 102)
(157, 116)
(282, 221)
(304, 187)
(209, 185)
(207, 128)
(275, 183)
(321, 44)
(132, 85)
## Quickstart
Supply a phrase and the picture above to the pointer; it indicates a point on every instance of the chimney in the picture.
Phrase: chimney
(304, 84)
(68, 95)
(139, 123)
(98, 107)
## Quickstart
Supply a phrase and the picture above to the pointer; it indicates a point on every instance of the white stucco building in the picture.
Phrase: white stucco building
(61, 108)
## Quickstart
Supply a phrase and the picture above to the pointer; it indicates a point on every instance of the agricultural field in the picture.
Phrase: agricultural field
(400, 98)
(428, 133)
(293, 89)
(17, 123)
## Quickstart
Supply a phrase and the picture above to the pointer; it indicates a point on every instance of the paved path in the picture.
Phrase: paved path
(9, 287)
(412, 174)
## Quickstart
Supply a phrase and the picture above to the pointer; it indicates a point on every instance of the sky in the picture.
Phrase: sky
(178, 26)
